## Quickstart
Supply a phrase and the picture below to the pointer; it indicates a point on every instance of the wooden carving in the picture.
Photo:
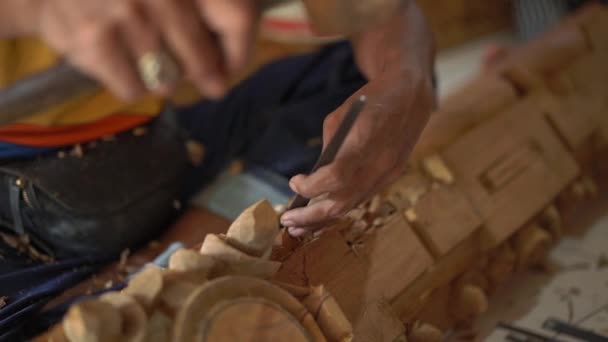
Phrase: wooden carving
(496, 176)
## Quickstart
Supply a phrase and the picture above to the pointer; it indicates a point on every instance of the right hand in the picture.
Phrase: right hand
(209, 39)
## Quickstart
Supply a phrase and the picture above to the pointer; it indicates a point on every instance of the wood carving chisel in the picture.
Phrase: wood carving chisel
(329, 153)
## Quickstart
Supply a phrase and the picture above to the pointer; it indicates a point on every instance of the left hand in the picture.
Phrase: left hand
(373, 155)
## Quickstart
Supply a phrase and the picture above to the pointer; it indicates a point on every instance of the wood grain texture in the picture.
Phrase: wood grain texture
(513, 155)
(444, 218)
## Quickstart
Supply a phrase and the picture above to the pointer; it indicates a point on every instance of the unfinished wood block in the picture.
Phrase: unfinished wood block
(468, 301)
(531, 245)
(146, 286)
(235, 261)
(236, 308)
(443, 219)
(424, 332)
(133, 316)
(255, 229)
(328, 314)
(92, 320)
(510, 167)
(190, 260)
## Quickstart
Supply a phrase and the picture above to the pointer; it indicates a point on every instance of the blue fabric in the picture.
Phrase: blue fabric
(266, 120)
(29, 289)
(9, 150)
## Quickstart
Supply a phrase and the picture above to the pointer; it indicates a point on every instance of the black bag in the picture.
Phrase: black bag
(117, 195)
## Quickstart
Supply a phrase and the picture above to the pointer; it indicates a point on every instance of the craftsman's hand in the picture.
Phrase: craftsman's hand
(400, 98)
(208, 39)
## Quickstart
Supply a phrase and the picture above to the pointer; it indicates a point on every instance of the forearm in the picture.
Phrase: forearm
(17, 17)
(393, 48)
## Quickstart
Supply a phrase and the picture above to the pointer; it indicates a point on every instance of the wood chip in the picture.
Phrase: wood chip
(177, 204)
(410, 215)
(124, 258)
(140, 131)
(196, 152)
(436, 168)
(77, 151)
(374, 204)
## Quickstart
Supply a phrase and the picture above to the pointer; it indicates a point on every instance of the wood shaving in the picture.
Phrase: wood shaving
(124, 257)
(196, 152)
(23, 246)
(177, 205)
(77, 151)
(236, 167)
(3, 301)
(314, 142)
(140, 131)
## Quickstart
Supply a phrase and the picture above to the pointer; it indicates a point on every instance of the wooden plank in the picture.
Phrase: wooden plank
(511, 167)
(444, 218)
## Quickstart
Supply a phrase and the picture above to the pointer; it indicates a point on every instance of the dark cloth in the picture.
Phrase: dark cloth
(267, 120)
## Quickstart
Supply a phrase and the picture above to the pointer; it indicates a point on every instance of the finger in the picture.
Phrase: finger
(141, 37)
(327, 179)
(320, 213)
(364, 183)
(101, 54)
(235, 21)
(302, 231)
(192, 44)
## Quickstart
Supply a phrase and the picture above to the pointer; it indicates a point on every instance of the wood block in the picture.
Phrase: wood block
(464, 109)
(511, 167)
(328, 261)
(393, 257)
(572, 116)
(444, 218)
(411, 301)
